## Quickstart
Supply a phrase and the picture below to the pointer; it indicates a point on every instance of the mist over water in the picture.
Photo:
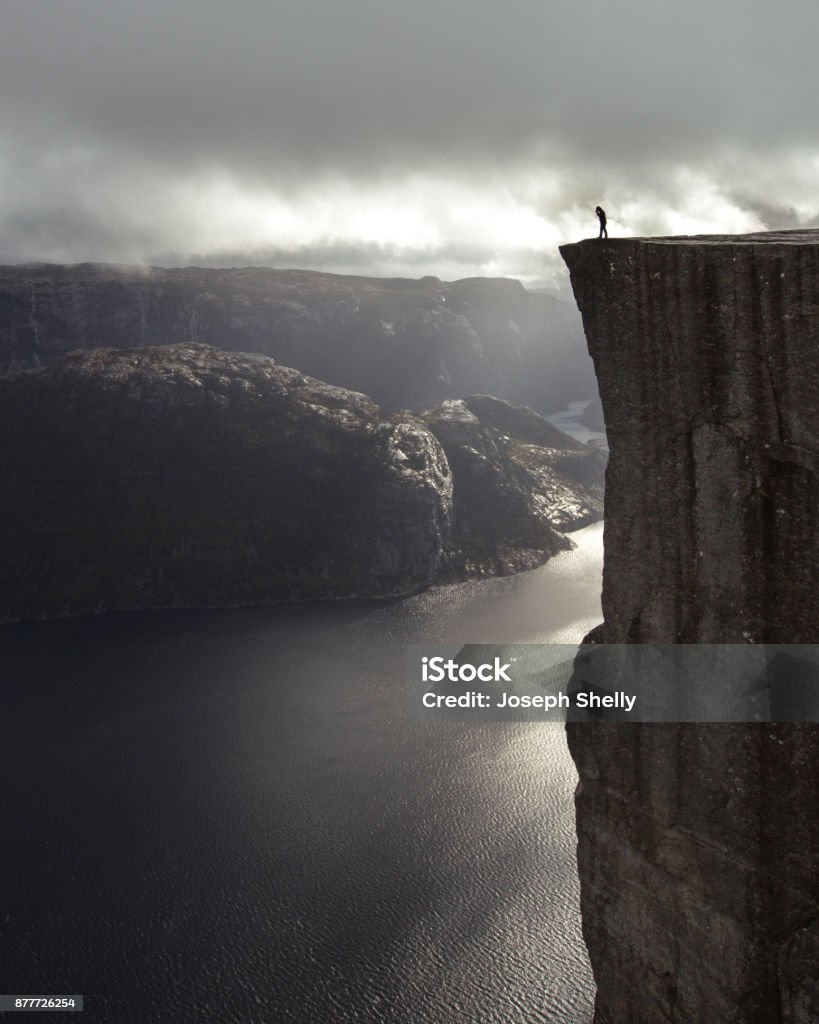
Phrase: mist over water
(568, 420)
(231, 815)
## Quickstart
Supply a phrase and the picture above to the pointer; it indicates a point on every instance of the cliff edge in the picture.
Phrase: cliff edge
(699, 845)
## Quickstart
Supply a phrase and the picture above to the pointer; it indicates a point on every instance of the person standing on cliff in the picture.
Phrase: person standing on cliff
(601, 216)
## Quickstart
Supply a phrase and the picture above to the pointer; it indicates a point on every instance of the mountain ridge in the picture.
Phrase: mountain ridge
(405, 342)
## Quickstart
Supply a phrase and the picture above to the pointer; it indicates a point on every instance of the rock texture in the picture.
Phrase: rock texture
(406, 343)
(520, 483)
(699, 845)
(188, 476)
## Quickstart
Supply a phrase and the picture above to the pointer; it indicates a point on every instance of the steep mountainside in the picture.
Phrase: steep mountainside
(699, 845)
(188, 476)
(518, 482)
(406, 343)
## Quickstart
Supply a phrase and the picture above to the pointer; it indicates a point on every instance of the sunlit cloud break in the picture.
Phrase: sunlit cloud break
(447, 224)
(395, 139)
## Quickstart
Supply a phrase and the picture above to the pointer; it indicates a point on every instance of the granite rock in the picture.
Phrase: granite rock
(699, 845)
(520, 485)
(187, 476)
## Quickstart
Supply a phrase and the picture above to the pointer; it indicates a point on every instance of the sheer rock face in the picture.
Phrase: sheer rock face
(406, 343)
(188, 476)
(699, 845)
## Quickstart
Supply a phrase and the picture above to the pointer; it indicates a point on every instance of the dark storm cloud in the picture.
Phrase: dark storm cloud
(257, 81)
(103, 102)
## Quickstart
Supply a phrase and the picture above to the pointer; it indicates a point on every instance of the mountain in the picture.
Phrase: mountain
(519, 485)
(406, 343)
(189, 476)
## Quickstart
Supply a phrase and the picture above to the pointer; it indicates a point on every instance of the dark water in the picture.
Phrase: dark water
(230, 816)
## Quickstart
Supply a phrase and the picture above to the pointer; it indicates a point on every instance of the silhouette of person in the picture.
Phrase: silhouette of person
(601, 216)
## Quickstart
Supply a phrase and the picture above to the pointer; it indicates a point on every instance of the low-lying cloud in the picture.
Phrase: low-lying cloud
(373, 138)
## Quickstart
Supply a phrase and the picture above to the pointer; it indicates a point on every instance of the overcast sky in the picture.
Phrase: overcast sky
(447, 137)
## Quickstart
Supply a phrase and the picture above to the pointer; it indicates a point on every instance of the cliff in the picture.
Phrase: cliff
(406, 343)
(699, 845)
(519, 483)
(188, 476)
